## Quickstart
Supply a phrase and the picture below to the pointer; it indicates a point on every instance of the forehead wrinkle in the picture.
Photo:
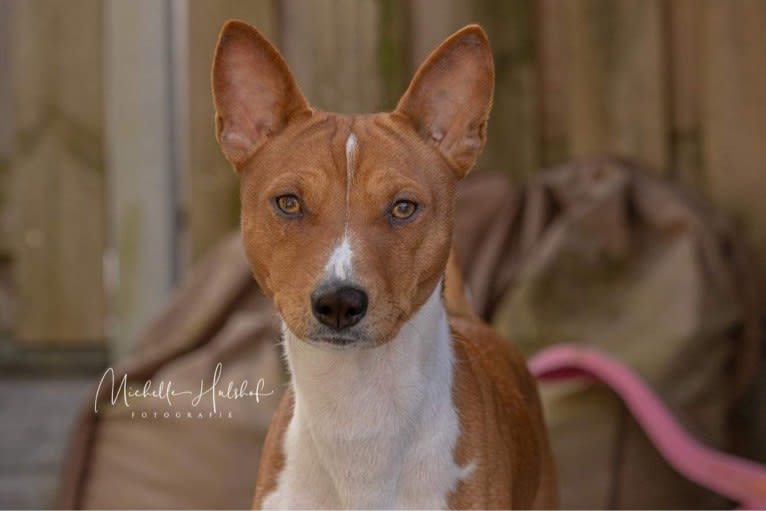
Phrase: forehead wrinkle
(391, 131)
(421, 151)
(307, 153)
(290, 149)
(309, 129)
(331, 143)
(398, 150)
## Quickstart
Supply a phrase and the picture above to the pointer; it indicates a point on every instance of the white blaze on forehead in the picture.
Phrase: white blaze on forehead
(350, 163)
(339, 264)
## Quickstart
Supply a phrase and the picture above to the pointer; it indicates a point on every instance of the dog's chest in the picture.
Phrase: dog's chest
(415, 469)
(380, 432)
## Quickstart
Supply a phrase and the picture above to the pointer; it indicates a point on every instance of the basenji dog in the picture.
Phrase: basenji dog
(400, 397)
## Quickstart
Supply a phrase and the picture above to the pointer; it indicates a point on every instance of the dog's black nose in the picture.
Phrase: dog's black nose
(339, 306)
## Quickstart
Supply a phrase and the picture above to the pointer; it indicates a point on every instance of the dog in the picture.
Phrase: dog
(400, 397)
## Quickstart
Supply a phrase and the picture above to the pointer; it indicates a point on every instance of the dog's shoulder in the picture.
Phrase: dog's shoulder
(499, 409)
(481, 350)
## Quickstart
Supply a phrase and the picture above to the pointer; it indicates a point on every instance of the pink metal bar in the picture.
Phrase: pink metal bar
(738, 479)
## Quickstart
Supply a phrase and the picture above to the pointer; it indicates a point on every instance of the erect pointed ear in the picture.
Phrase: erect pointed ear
(450, 97)
(255, 95)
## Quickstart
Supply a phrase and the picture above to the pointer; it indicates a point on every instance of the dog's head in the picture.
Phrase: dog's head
(347, 220)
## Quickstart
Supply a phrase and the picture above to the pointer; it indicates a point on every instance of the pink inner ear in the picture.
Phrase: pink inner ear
(236, 143)
(254, 92)
(449, 99)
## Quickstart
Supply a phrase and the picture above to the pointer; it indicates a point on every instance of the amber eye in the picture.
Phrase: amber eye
(403, 209)
(289, 205)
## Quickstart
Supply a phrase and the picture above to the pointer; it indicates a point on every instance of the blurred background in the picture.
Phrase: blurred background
(112, 186)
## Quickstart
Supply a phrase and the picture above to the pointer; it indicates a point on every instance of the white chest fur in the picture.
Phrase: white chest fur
(373, 428)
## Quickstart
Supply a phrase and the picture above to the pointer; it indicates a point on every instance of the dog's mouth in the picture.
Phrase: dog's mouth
(341, 340)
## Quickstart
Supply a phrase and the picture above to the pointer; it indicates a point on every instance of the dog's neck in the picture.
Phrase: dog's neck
(376, 427)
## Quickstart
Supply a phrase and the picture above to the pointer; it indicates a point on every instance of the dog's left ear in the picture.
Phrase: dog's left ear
(255, 94)
(449, 100)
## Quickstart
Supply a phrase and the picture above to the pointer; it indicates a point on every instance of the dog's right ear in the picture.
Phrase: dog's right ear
(254, 93)
(449, 99)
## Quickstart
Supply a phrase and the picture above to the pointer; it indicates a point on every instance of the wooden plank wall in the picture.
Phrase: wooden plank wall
(617, 88)
(57, 198)
(677, 84)
(141, 165)
(734, 110)
(7, 294)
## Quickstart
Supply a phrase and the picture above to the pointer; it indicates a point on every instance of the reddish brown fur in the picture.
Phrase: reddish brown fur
(308, 159)
(419, 152)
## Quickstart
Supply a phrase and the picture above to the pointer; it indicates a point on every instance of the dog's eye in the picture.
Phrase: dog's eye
(289, 205)
(403, 209)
